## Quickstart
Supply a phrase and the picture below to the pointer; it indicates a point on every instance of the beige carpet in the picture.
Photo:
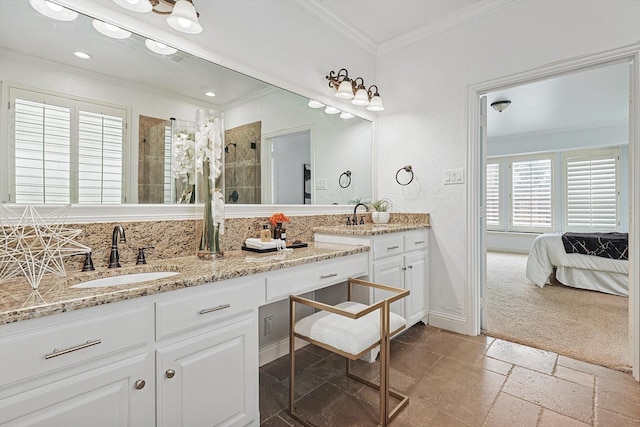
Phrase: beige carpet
(585, 325)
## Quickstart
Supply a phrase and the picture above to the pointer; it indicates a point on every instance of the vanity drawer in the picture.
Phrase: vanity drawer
(388, 246)
(308, 277)
(415, 240)
(72, 341)
(205, 305)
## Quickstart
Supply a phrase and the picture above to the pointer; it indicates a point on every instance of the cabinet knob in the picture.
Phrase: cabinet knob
(140, 384)
(404, 268)
(411, 266)
(170, 373)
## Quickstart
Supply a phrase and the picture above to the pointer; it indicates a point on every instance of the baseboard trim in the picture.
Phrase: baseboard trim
(280, 348)
(450, 323)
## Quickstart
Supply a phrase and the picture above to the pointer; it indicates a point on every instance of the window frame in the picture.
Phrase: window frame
(76, 104)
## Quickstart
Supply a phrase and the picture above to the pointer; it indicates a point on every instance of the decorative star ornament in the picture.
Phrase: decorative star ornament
(33, 245)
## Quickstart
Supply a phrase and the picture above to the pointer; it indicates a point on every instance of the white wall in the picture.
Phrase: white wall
(425, 121)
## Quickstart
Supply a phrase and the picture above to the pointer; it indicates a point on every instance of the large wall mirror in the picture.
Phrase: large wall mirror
(103, 129)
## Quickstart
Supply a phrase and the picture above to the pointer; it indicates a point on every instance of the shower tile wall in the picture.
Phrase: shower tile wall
(242, 164)
(151, 159)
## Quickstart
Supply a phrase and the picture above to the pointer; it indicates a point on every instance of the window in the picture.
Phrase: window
(591, 190)
(531, 194)
(493, 191)
(66, 150)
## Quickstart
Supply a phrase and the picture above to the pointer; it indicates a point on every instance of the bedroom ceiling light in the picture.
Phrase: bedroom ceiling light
(500, 106)
(355, 90)
(54, 11)
(181, 14)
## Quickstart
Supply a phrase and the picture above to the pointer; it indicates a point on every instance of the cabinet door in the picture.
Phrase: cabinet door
(210, 379)
(389, 272)
(108, 396)
(416, 304)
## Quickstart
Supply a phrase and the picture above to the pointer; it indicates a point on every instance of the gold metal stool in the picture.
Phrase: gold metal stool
(350, 329)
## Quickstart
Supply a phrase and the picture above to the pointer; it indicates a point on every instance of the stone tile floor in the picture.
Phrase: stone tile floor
(454, 380)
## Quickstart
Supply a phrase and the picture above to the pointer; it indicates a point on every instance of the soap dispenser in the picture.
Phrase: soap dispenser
(265, 234)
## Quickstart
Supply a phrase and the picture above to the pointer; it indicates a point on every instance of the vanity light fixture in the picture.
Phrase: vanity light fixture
(182, 14)
(53, 10)
(355, 90)
(159, 48)
(500, 106)
(110, 30)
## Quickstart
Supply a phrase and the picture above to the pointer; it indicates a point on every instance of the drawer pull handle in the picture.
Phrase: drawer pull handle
(170, 373)
(326, 276)
(140, 384)
(209, 310)
(420, 242)
(389, 248)
(57, 352)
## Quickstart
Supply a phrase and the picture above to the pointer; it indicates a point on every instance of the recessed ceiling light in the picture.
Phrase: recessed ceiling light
(331, 110)
(346, 116)
(82, 55)
(315, 104)
(210, 93)
(159, 48)
(54, 11)
(142, 6)
(110, 30)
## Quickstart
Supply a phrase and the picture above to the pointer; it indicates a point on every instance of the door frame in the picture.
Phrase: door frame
(475, 160)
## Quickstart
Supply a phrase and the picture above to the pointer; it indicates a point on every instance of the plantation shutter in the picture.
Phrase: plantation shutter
(100, 144)
(531, 195)
(167, 166)
(591, 192)
(42, 137)
(492, 203)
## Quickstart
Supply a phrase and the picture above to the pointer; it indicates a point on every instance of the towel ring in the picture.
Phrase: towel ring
(347, 175)
(407, 169)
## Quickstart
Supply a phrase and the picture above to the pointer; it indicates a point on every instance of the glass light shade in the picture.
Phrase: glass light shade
(345, 90)
(314, 104)
(142, 6)
(184, 18)
(346, 116)
(110, 30)
(375, 104)
(331, 110)
(53, 11)
(159, 48)
(361, 98)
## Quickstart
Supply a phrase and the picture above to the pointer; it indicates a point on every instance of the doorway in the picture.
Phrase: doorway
(476, 261)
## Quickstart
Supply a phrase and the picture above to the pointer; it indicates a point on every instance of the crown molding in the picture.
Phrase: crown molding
(456, 19)
(335, 21)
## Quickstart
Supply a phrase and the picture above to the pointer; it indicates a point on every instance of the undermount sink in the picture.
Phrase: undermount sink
(125, 279)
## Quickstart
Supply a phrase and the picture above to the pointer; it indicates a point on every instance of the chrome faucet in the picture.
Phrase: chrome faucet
(114, 258)
(355, 216)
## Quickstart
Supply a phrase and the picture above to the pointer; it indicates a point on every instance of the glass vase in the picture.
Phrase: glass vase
(210, 181)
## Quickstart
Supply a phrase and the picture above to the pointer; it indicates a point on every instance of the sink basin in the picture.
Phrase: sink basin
(125, 279)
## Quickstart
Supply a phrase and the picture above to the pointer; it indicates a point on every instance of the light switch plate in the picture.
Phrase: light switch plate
(321, 184)
(453, 176)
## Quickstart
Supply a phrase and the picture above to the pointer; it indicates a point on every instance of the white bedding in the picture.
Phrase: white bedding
(576, 270)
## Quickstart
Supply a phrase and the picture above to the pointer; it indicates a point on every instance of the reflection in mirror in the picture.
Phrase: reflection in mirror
(125, 79)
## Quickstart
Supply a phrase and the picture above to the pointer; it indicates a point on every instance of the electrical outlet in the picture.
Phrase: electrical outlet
(268, 325)
(321, 184)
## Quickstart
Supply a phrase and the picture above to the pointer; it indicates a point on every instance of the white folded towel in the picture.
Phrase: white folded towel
(256, 243)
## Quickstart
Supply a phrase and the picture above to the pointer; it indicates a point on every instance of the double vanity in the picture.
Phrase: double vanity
(180, 350)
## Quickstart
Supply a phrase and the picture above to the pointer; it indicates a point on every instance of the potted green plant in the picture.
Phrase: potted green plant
(380, 211)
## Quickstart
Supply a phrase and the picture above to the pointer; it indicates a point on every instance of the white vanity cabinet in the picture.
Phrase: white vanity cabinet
(397, 259)
(79, 368)
(207, 356)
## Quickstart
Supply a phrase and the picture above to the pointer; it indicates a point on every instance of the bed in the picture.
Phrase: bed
(577, 270)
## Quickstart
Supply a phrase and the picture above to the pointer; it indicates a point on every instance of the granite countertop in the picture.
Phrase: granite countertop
(368, 229)
(54, 295)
